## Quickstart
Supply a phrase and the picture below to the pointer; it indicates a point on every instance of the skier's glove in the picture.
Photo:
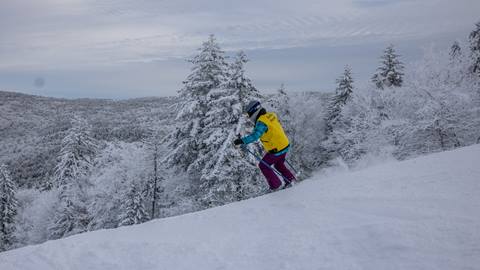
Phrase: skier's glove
(238, 142)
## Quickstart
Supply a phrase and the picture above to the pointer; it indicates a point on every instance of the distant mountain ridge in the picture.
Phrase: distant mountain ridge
(32, 127)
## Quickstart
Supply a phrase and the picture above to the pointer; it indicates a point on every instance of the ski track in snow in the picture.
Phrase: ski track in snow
(417, 214)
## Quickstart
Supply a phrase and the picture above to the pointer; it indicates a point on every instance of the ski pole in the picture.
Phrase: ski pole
(244, 148)
(289, 164)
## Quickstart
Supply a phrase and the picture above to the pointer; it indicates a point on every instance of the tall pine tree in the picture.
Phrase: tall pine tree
(211, 116)
(209, 71)
(227, 176)
(74, 163)
(390, 73)
(8, 209)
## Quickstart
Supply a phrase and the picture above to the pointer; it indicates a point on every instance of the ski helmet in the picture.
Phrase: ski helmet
(252, 107)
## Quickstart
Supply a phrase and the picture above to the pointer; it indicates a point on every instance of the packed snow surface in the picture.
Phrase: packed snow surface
(422, 213)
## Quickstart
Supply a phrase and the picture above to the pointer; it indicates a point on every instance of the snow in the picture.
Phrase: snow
(415, 214)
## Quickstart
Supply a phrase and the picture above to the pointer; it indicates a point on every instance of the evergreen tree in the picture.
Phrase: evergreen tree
(390, 72)
(226, 176)
(209, 71)
(133, 208)
(474, 39)
(344, 88)
(214, 95)
(221, 179)
(333, 141)
(8, 209)
(76, 155)
(74, 163)
(343, 93)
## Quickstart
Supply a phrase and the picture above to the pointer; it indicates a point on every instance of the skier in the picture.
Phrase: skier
(270, 132)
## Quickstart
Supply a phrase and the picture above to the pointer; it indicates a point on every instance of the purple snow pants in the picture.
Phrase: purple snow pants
(279, 163)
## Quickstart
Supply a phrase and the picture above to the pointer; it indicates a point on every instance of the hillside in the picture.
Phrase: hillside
(32, 127)
(415, 214)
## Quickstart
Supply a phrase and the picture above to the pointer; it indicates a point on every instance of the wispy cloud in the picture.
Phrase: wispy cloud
(71, 33)
(127, 48)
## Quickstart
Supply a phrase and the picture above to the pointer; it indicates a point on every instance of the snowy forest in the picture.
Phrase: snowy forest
(71, 166)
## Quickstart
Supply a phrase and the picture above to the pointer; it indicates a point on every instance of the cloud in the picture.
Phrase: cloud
(112, 48)
(70, 33)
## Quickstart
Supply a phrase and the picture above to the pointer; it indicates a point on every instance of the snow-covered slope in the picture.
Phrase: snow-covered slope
(417, 214)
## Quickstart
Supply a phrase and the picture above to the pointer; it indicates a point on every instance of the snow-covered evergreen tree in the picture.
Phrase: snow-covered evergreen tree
(343, 93)
(330, 143)
(8, 208)
(344, 88)
(226, 175)
(209, 71)
(76, 154)
(390, 73)
(474, 39)
(211, 116)
(74, 163)
(338, 125)
(133, 207)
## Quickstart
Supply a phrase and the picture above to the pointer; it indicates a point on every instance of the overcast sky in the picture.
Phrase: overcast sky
(133, 48)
